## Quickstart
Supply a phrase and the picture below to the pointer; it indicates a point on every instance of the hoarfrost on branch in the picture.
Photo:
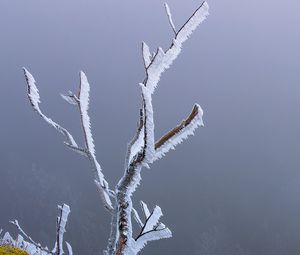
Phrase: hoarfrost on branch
(141, 152)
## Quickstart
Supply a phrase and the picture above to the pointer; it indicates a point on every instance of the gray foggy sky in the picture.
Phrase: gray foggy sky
(233, 189)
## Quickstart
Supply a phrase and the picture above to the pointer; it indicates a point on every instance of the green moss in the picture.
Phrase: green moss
(7, 250)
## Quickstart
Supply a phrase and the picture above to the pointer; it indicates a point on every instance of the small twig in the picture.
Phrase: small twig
(38, 245)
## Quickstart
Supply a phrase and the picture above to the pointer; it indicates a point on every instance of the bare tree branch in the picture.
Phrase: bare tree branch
(169, 14)
(34, 98)
(83, 103)
(141, 152)
(38, 245)
(179, 133)
(61, 227)
(154, 67)
(152, 229)
(146, 55)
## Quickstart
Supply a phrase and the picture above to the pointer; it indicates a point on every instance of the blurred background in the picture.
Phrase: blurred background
(232, 189)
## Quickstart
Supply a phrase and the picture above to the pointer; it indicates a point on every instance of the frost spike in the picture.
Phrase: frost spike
(84, 99)
(137, 218)
(169, 14)
(146, 54)
(154, 235)
(83, 104)
(69, 247)
(141, 151)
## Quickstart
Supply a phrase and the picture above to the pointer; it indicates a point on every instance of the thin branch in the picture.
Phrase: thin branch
(193, 22)
(146, 54)
(145, 210)
(61, 227)
(137, 218)
(180, 132)
(69, 247)
(169, 14)
(38, 245)
(34, 98)
(83, 104)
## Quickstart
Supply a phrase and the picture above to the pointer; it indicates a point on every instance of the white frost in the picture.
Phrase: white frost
(61, 227)
(145, 210)
(163, 60)
(146, 54)
(34, 98)
(84, 99)
(194, 21)
(151, 236)
(152, 220)
(181, 135)
(169, 14)
(148, 125)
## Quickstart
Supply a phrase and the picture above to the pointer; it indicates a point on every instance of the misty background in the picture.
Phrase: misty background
(232, 189)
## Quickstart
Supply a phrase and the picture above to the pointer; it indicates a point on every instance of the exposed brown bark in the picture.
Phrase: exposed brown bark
(177, 129)
(121, 246)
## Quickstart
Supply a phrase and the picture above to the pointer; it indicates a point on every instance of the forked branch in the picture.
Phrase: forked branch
(143, 150)
(82, 101)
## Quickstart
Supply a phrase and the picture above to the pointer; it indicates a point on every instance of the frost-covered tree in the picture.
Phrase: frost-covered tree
(142, 150)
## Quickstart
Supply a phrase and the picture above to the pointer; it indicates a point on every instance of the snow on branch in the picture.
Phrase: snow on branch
(137, 143)
(154, 68)
(145, 210)
(137, 218)
(83, 104)
(179, 133)
(152, 236)
(146, 54)
(69, 247)
(143, 150)
(62, 220)
(149, 149)
(163, 59)
(70, 98)
(34, 98)
(169, 14)
(152, 229)
(82, 100)
(192, 23)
